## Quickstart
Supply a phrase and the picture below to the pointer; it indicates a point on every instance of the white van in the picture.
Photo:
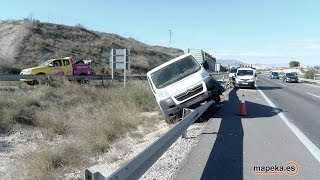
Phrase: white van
(245, 77)
(182, 83)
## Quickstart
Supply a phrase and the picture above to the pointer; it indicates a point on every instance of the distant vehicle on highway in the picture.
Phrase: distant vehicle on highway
(295, 73)
(290, 77)
(232, 73)
(245, 77)
(281, 74)
(274, 75)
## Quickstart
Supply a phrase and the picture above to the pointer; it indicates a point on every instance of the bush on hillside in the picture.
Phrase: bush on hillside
(310, 73)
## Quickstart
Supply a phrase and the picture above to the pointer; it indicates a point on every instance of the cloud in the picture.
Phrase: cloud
(247, 54)
(312, 46)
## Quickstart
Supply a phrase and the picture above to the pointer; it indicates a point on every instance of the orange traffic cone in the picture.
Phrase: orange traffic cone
(243, 111)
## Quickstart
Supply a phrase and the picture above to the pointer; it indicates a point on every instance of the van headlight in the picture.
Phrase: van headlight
(25, 71)
(251, 80)
(162, 94)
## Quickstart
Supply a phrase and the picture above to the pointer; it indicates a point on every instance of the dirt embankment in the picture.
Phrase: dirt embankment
(25, 44)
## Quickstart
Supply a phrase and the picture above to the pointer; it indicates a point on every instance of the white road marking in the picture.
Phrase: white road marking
(250, 90)
(312, 85)
(313, 149)
(313, 95)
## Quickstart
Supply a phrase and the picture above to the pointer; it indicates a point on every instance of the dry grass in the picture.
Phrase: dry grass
(84, 120)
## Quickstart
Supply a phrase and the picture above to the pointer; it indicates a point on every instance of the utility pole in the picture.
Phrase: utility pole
(170, 34)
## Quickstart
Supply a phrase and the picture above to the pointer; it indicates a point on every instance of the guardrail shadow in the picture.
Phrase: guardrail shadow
(226, 157)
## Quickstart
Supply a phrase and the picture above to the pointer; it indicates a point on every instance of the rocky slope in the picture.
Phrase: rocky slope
(26, 43)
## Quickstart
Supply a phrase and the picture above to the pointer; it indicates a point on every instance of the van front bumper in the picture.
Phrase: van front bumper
(171, 109)
(244, 84)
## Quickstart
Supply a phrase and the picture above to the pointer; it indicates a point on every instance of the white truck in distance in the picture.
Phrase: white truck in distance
(182, 83)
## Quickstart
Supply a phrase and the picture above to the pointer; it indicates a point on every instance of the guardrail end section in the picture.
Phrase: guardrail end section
(96, 174)
(88, 175)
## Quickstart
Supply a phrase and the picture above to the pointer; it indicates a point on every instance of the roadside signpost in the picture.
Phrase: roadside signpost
(120, 59)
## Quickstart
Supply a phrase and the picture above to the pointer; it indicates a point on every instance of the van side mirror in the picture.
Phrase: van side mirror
(50, 65)
(255, 75)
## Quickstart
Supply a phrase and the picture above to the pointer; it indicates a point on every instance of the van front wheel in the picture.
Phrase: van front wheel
(216, 99)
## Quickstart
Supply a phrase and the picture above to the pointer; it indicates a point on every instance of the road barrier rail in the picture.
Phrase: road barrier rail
(68, 77)
(137, 166)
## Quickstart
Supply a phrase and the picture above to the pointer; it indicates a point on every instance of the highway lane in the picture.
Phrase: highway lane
(300, 103)
(232, 145)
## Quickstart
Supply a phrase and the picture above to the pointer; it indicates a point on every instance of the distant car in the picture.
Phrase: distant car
(274, 75)
(295, 73)
(281, 74)
(245, 77)
(232, 73)
(290, 77)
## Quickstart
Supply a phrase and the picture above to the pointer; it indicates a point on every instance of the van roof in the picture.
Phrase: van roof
(169, 62)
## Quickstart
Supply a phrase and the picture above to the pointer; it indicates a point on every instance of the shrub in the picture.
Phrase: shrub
(310, 73)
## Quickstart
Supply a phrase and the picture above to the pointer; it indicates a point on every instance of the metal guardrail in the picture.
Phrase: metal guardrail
(4, 77)
(136, 167)
(222, 77)
(68, 77)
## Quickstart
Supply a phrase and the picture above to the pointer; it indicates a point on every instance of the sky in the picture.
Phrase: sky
(252, 31)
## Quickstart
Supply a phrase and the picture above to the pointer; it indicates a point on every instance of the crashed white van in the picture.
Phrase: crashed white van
(182, 83)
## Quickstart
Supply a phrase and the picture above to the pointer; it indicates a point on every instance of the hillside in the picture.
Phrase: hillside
(25, 44)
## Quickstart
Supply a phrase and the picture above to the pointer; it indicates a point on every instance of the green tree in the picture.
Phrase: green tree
(294, 64)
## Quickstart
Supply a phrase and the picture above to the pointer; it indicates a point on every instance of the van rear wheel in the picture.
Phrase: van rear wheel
(172, 120)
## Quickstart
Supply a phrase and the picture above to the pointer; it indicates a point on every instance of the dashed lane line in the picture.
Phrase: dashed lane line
(313, 95)
(312, 85)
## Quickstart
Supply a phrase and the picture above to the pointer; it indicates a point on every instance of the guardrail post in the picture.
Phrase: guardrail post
(185, 113)
(103, 81)
(96, 174)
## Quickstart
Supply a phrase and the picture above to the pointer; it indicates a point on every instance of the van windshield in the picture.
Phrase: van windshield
(244, 72)
(290, 75)
(175, 72)
(233, 70)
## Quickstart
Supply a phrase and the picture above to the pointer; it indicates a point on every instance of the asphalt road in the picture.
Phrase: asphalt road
(232, 146)
(300, 102)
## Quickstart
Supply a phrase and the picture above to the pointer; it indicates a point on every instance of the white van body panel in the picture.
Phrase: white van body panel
(245, 80)
(185, 92)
